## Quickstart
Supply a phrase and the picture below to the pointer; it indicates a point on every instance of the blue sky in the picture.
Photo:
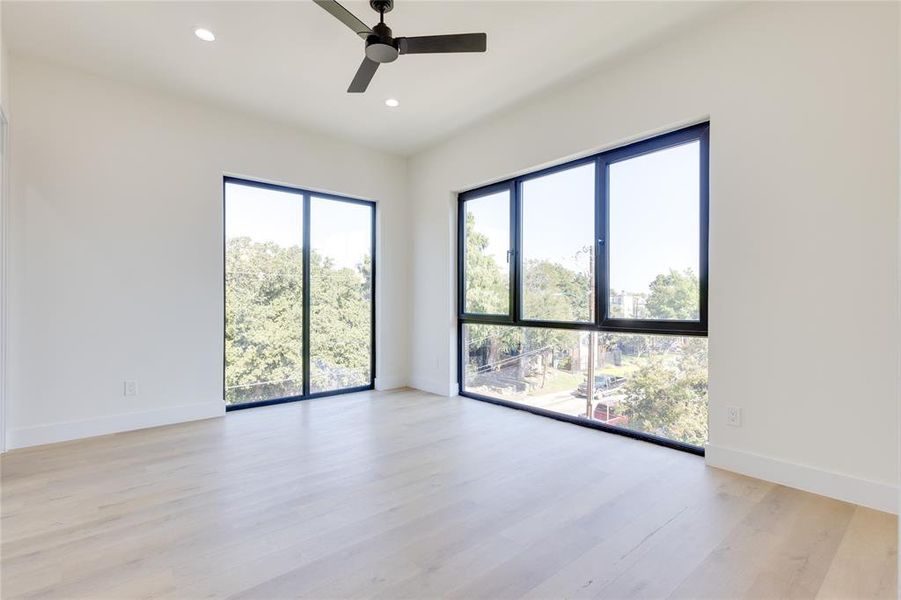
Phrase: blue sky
(654, 216)
(340, 230)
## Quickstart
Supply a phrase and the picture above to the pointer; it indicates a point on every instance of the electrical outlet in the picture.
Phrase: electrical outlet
(733, 416)
(130, 388)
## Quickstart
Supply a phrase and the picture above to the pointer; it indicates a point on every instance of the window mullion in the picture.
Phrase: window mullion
(600, 242)
(461, 257)
(516, 258)
(306, 294)
(704, 265)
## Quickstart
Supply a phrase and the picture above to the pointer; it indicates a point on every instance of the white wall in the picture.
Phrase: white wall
(802, 100)
(4, 70)
(117, 248)
(4, 203)
(899, 277)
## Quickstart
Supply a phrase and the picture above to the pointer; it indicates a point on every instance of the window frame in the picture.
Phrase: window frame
(601, 323)
(519, 297)
(462, 199)
(697, 133)
(306, 202)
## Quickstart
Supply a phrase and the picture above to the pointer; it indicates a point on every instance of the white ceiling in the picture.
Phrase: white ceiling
(292, 61)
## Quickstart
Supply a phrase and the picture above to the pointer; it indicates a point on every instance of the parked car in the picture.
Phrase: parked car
(607, 414)
(602, 383)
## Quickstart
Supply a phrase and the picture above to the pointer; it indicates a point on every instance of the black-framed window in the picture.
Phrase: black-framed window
(486, 252)
(613, 245)
(556, 214)
(299, 290)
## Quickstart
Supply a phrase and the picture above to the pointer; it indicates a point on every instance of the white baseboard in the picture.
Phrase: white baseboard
(434, 386)
(872, 494)
(84, 428)
(390, 382)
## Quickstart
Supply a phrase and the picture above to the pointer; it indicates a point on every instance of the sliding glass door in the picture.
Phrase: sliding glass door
(299, 294)
(340, 295)
(263, 294)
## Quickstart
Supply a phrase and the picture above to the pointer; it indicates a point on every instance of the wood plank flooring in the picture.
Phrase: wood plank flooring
(407, 495)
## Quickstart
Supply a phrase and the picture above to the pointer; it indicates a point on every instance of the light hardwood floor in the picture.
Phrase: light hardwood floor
(406, 495)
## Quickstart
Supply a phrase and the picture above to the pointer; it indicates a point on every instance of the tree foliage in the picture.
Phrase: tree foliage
(674, 295)
(340, 322)
(667, 395)
(553, 292)
(487, 283)
(264, 322)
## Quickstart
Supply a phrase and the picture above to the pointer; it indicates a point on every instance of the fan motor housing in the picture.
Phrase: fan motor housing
(380, 46)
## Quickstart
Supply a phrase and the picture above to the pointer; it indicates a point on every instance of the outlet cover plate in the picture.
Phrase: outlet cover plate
(733, 416)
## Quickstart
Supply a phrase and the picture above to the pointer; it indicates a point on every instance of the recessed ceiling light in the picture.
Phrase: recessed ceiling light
(392, 102)
(205, 34)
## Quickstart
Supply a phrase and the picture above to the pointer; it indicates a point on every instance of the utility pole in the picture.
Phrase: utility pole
(592, 336)
(592, 342)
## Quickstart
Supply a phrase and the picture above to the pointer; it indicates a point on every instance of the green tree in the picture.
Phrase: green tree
(263, 326)
(667, 395)
(487, 283)
(674, 295)
(340, 324)
(553, 292)
(264, 322)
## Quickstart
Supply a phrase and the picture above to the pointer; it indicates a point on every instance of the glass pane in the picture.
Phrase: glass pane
(655, 384)
(263, 294)
(654, 235)
(340, 294)
(487, 269)
(558, 246)
(647, 383)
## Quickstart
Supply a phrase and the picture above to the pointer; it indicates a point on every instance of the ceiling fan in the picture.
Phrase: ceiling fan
(382, 48)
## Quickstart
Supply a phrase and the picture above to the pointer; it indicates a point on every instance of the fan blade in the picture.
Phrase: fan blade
(363, 76)
(345, 16)
(431, 44)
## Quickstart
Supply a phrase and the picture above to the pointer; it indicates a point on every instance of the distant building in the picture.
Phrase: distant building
(627, 305)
